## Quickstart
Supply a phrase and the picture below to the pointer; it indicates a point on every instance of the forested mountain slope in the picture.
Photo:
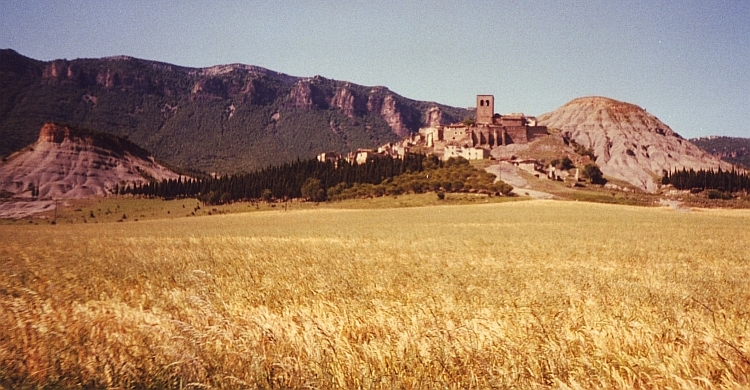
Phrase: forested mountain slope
(226, 118)
(734, 150)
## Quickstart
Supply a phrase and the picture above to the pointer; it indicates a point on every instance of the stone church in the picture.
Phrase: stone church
(488, 131)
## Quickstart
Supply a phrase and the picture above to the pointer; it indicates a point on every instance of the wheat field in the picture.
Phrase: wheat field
(536, 294)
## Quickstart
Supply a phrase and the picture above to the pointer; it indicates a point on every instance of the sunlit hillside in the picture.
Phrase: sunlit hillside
(522, 294)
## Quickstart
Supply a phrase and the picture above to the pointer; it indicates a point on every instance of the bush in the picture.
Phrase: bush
(441, 195)
(336, 190)
(593, 173)
(311, 190)
(456, 162)
(266, 195)
(502, 188)
(581, 150)
(716, 194)
(564, 163)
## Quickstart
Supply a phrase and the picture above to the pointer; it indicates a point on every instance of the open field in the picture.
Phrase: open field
(128, 208)
(521, 294)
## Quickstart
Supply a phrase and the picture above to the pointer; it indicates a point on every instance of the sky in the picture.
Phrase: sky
(686, 62)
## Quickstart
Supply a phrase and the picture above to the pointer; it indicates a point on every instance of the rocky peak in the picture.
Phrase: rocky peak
(348, 101)
(308, 94)
(343, 98)
(389, 110)
(54, 133)
(301, 96)
(56, 69)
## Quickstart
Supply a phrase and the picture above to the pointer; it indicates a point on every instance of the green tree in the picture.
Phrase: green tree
(311, 190)
(266, 195)
(593, 173)
(564, 163)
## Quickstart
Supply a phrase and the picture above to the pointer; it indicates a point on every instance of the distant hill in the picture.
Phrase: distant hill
(224, 119)
(70, 162)
(733, 150)
(629, 143)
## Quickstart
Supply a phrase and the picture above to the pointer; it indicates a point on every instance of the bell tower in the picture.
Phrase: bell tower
(485, 109)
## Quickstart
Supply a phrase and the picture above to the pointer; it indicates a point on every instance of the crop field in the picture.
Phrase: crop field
(530, 294)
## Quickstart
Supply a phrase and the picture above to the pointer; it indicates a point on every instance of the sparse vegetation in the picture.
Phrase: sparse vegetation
(450, 297)
(582, 150)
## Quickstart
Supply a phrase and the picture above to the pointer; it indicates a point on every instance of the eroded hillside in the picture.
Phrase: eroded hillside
(629, 143)
(67, 162)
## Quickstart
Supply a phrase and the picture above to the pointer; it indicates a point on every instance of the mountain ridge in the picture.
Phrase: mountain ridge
(222, 118)
(734, 150)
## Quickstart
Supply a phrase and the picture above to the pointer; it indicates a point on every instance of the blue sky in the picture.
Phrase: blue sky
(687, 62)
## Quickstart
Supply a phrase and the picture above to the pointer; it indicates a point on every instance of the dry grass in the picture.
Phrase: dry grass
(524, 294)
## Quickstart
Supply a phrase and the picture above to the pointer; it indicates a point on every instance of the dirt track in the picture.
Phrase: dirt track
(509, 174)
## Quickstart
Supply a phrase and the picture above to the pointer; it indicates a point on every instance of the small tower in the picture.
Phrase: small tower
(485, 109)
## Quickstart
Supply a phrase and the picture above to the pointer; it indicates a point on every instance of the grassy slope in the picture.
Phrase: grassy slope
(522, 294)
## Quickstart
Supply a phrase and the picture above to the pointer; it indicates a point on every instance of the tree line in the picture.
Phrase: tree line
(719, 180)
(317, 181)
(278, 182)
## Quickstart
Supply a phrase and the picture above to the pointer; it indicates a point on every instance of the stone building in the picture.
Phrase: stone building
(469, 153)
(329, 156)
(488, 131)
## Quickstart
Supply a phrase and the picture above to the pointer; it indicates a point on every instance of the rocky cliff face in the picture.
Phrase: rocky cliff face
(224, 81)
(629, 143)
(224, 118)
(67, 162)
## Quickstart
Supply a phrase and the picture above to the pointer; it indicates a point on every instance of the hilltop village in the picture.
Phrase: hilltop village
(472, 140)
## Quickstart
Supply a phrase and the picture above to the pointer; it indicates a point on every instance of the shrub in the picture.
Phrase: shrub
(716, 194)
(593, 173)
(582, 150)
(502, 188)
(311, 190)
(336, 190)
(565, 163)
(266, 195)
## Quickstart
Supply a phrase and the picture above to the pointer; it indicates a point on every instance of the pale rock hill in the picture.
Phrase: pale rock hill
(67, 162)
(629, 143)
